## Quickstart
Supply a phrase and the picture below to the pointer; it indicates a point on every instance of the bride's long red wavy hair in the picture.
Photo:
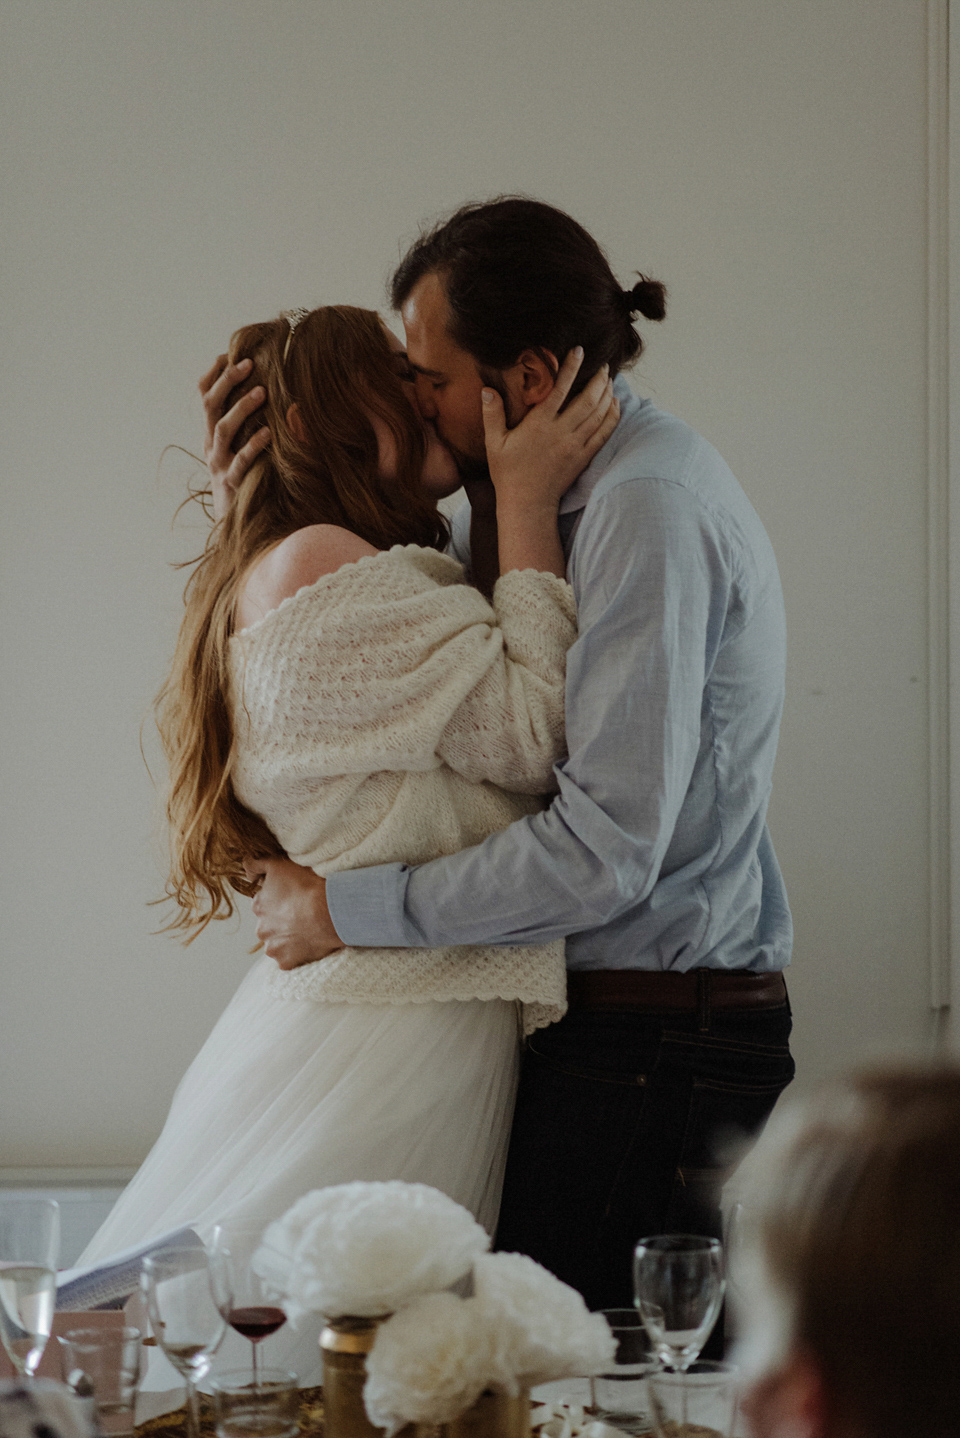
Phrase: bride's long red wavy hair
(338, 368)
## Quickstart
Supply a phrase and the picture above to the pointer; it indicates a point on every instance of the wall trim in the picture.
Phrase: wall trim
(67, 1176)
(939, 508)
(952, 307)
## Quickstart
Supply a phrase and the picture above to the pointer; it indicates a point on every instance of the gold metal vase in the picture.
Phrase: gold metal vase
(345, 1343)
(494, 1415)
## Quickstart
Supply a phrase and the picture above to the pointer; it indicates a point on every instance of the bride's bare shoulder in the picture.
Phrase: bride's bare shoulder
(302, 558)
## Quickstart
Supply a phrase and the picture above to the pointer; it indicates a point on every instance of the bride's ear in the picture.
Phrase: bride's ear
(295, 424)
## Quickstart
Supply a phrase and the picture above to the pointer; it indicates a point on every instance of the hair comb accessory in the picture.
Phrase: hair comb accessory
(293, 318)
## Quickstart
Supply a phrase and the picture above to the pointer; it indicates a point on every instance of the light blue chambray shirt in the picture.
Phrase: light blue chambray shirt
(655, 853)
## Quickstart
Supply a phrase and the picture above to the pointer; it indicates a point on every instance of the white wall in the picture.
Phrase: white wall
(171, 170)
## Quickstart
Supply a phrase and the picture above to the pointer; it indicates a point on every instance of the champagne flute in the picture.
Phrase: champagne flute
(245, 1302)
(184, 1315)
(29, 1248)
(678, 1284)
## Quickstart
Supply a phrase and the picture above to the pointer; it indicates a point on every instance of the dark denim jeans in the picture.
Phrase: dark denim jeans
(625, 1126)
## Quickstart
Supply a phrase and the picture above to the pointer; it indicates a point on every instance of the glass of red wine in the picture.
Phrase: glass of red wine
(240, 1292)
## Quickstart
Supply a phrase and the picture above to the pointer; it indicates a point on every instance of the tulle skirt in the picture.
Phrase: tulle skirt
(290, 1095)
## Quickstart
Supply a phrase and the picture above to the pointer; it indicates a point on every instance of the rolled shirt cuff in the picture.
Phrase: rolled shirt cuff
(366, 906)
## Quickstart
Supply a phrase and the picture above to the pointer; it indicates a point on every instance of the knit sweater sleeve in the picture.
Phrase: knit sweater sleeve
(509, 728)
(394, 664)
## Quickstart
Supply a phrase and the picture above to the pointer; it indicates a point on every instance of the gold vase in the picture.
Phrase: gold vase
(494, 1415)
(345, 1343)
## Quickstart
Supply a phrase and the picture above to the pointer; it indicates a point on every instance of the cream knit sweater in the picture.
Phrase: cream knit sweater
(388, 712)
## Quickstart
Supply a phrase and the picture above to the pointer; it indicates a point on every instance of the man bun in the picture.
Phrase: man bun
(648, 298)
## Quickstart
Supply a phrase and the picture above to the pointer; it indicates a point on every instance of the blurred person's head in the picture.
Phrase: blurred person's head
(850, 1269)
(41, 1408)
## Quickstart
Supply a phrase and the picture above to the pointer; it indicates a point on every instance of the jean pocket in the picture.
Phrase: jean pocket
(727, 1113)
(585, 1071)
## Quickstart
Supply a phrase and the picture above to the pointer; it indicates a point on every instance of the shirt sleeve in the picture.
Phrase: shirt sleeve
(652, 575)
(459, 546)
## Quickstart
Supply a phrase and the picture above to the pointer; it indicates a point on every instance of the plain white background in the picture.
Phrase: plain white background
(170, 171)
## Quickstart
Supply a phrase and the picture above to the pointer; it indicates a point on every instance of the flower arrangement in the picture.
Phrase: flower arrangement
(372, 1249)
(522, 1327)
(367, 1249)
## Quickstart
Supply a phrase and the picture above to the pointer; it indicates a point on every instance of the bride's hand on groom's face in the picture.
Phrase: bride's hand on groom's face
(537, 461)
(293, 921)
(226, 468)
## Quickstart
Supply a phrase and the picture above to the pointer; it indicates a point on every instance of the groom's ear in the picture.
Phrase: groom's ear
(532, 377)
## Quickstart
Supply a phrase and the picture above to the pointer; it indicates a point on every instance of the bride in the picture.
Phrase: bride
(339, 693)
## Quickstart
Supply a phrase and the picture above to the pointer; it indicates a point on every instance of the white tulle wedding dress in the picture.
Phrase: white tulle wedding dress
(387, 712)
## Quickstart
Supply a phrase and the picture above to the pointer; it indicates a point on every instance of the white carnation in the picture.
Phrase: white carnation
(367, 1248)
(541, 1329)
(428, 1363)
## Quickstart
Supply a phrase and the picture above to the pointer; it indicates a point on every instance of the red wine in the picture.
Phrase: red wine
(256, 1323)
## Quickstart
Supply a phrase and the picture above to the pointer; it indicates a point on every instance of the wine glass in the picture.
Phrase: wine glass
(29, 1248)
(246, 1304)
(184, 1315)
(678, 1284)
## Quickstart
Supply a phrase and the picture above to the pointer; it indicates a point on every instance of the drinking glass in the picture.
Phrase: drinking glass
(108, 1361)
(619, 1392)
(29, 1248)
(184, 1316)
(698, 1403)
(678, 1285)
(241, 1297)
(269, 1410)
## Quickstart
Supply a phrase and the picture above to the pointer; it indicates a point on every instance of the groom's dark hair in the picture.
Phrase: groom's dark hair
(519, 275)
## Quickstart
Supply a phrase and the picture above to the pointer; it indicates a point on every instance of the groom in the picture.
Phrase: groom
(654, 858)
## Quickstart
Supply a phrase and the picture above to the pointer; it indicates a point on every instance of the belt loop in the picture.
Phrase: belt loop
(703, 999)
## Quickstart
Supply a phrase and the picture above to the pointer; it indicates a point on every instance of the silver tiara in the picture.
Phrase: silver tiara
(293, 318)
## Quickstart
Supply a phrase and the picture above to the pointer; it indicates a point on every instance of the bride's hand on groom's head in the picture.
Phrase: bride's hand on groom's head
(226, 468)
(293, 921)
(538, 460)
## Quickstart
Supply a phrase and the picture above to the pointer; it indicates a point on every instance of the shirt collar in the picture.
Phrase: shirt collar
(627, 425)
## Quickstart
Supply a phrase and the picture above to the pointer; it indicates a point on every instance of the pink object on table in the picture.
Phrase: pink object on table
(49, 1366)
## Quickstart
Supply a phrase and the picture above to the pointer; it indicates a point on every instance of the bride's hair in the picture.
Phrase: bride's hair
(337, 367)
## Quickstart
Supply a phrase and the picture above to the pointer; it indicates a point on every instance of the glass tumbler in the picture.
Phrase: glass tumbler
(619, 1395)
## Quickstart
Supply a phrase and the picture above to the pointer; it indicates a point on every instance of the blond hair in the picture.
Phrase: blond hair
(855, 1212)
(338, 368)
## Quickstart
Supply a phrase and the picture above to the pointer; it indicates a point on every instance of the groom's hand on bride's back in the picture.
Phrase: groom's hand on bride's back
(293, 921)
(226, 468)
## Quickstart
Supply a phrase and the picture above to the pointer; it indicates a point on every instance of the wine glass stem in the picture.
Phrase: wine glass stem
(193, 1409)
(256, 1378)
(32, 1361)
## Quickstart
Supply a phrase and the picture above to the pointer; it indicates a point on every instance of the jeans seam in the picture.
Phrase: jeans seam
(724, 1046)
(746, 1088)
(635, 1080)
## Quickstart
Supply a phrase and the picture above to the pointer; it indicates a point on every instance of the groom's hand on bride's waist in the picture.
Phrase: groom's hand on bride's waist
(293, 921)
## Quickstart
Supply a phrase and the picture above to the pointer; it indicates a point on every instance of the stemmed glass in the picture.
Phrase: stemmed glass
(678, 1284)
(184, 1315)
(240, 1292)
(29, 1248)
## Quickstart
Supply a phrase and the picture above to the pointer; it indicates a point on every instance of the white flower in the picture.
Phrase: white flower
(428, 1363)
(367, 1248)
(540, 1327)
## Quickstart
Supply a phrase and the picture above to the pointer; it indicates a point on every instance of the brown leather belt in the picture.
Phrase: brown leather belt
(647, 990)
